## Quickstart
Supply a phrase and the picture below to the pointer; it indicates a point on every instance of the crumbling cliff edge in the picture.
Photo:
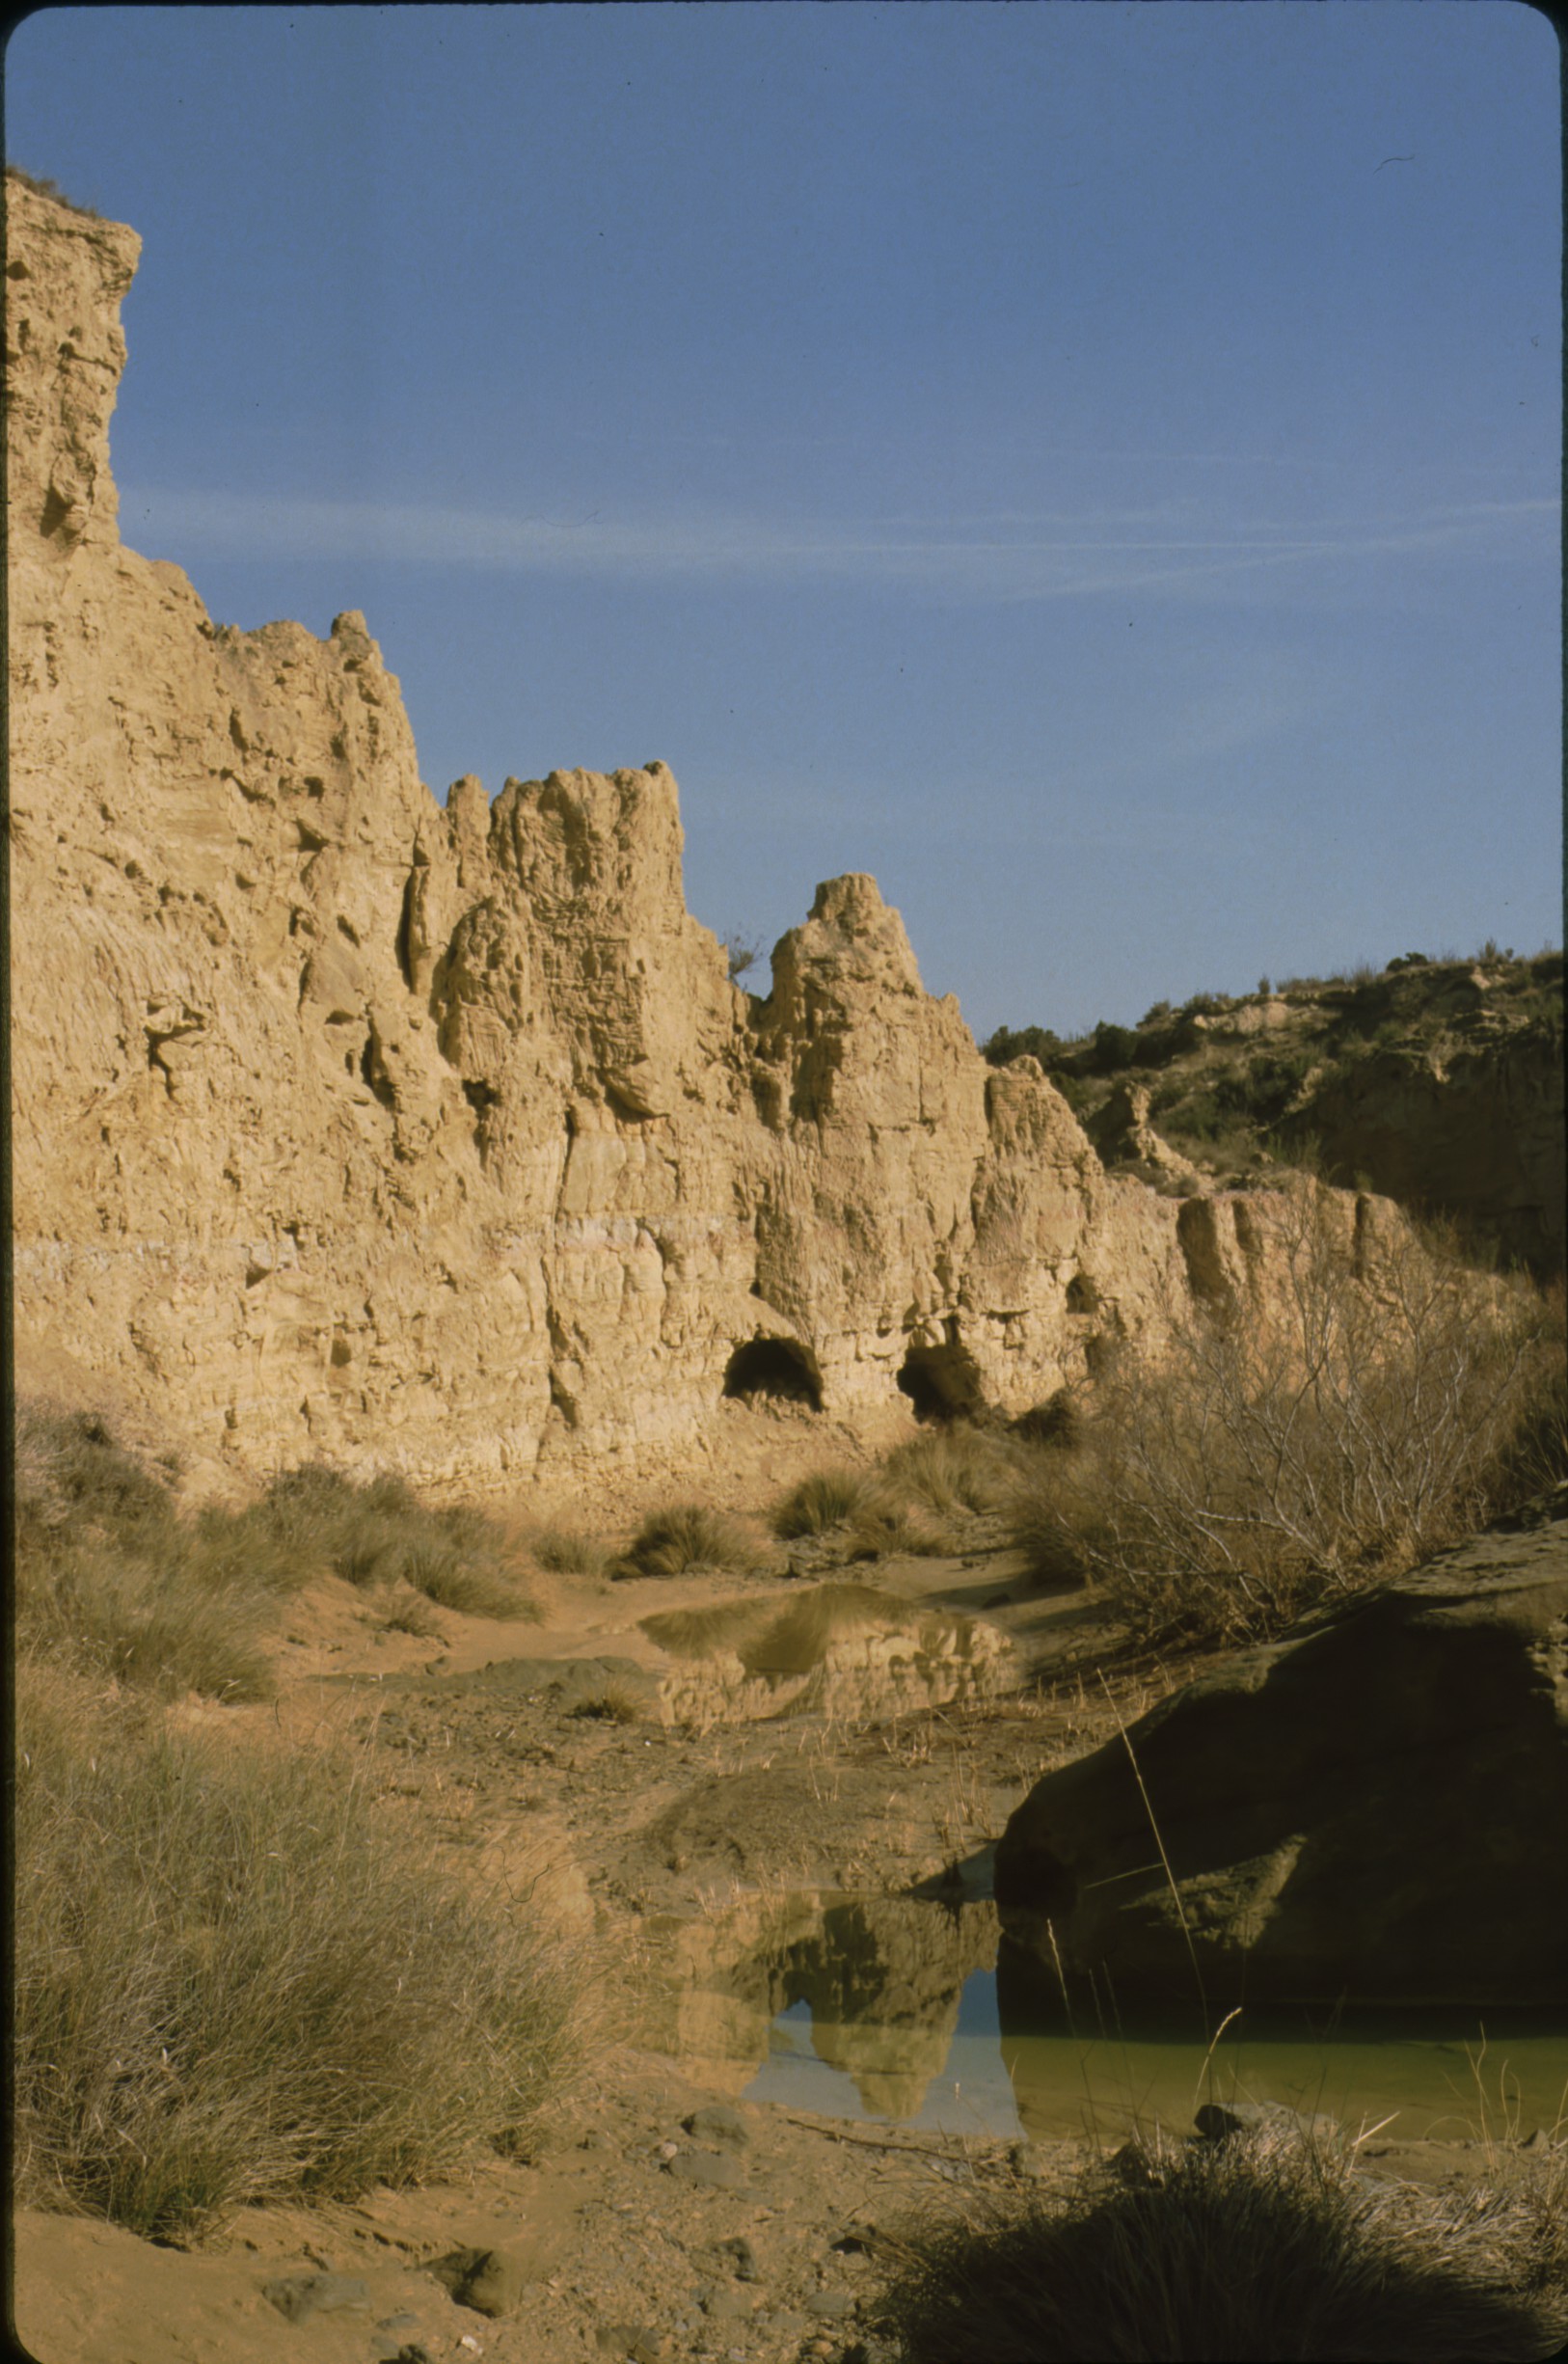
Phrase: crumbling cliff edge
(348, 1124)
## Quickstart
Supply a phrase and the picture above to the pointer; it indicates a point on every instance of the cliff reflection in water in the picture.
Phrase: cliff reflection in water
(903, 2005)
(883, 1978)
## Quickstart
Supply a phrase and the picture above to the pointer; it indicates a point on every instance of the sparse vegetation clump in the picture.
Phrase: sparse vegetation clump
(42, 186)
(922, 1500)
(377, 1531)
(111, 1579)
(825, 1499)
(1268, 1460)
(562, 1551)
(1265, 2246)
(1238, 1082)
(612, 1703)
(236, 1981)
(958, 1467)
(685, 1538)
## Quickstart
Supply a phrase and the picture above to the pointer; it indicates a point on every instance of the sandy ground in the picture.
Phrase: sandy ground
(622, 2238)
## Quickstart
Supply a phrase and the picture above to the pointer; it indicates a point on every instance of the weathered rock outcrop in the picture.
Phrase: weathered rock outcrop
(345, 1123)
(1374, 1808)
(1436, 1083)
(1474, 1126)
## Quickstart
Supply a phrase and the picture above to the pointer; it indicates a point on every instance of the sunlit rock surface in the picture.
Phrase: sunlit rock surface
(348, 1124)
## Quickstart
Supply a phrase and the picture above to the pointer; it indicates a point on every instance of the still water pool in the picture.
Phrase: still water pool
(891, 2010)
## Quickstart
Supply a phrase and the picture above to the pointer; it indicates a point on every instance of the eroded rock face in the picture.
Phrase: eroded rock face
(349, 1124)
(1375, 1809)
(1478, 1129)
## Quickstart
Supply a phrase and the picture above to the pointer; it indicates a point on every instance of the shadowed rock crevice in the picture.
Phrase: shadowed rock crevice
(775, 1369)
(941, 1382)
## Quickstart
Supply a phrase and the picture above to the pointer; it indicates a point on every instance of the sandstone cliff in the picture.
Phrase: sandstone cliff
(350, 1125)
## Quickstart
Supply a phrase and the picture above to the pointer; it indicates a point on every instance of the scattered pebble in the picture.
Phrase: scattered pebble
(299, 2296)
(830, 2305)
(715, 2169)
(715, 2122)
(724, 2304)
(490, 2281)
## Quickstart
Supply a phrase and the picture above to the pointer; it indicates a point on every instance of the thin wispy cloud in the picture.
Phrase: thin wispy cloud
(1006, 555)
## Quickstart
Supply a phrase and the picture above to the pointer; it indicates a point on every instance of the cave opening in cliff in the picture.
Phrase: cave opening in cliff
(775, 1369)
(941, 1382)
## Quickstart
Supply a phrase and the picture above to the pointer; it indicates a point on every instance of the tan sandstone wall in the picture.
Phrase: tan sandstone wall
(348, 1124)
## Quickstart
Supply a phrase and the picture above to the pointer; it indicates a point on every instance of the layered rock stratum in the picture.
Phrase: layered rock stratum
(348, 1124)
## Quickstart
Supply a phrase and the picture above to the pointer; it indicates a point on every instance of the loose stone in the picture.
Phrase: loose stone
(711, 2169)
(716, 2123)
(299, 2296)
(830, 2305)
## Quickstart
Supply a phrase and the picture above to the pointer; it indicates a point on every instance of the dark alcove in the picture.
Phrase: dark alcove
(776, 1368)
(941, 1382)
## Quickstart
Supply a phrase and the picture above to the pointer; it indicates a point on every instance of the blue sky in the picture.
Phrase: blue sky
(1094, 466)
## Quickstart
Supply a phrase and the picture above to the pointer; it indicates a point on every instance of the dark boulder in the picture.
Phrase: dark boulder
(1375, 1807)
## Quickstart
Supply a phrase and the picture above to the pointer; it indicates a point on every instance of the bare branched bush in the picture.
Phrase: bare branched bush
(1269, 2247)
(235, 1980)
(1275, 1455)
(741, 955)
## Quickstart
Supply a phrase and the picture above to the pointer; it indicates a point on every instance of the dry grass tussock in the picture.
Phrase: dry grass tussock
(1267, 2245)
(562, 1551)
(113, 1579)
(42, 186)
(1266, 1462)
(824, 1499)
(685, 1538)
(613, 1703)
(235, 1980)
(377, 1531)
(923, 1497)
(919, 1500)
